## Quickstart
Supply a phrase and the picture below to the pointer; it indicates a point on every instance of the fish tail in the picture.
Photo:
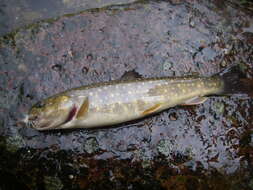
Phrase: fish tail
(235, 82)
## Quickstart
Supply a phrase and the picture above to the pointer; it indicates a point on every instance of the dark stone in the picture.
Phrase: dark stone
(204, 146)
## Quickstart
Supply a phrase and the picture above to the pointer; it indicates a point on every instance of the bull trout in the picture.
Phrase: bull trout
(114, 102)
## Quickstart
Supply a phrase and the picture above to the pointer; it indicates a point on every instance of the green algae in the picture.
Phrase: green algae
(91, 145)
(219, 108)
(14, 143)
(165, 147)
(52, 183)
(9, 39)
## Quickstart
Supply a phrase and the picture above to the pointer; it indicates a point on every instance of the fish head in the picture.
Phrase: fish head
(49, 113)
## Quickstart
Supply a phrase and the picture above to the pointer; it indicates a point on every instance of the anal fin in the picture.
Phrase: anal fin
(195, 101)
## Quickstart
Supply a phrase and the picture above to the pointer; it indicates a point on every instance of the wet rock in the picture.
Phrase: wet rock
(99, 45)
(89, 57)
(167, 66)
(191, 23)
(251, 184)
(248, 36)
(243, 67)
(85, 70)
(19, 14)
(57, 67)
(175, 2)
(22, 67)
(146, 163)
(183, 182)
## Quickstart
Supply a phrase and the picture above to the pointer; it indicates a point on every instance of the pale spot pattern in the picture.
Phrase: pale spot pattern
(123, 101)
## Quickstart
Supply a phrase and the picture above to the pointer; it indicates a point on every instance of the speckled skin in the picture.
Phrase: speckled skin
(115, 102)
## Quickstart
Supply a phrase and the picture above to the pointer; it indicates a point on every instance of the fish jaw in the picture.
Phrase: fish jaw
(48, 126)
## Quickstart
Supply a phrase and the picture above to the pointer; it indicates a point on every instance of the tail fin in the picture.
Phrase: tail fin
(235, 82)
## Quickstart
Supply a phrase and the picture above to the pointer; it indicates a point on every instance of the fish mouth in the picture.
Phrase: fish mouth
(39, 124)
(33, 122)
(43, 126)
(28, 122)
(47, 126)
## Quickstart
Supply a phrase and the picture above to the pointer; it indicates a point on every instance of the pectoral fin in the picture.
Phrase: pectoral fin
(83, 109)
(195, 101)
(153, 109)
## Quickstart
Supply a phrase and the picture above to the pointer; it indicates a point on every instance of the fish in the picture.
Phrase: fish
(114, 102)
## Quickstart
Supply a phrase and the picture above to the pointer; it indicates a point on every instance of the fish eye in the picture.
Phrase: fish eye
(39, 105)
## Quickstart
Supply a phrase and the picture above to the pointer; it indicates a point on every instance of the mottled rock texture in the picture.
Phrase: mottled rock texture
(208, 146)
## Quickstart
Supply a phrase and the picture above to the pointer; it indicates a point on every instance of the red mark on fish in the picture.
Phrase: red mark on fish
(72, 114)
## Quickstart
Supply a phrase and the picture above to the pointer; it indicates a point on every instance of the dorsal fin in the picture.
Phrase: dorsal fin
(131, 75)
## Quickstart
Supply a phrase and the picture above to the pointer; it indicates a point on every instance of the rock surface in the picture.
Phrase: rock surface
(208, 146)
